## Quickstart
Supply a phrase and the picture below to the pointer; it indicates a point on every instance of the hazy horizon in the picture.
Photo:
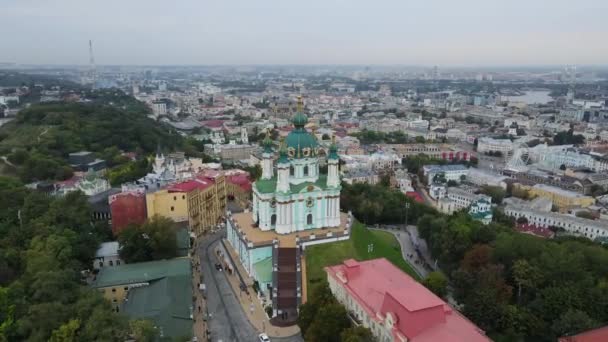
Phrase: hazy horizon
(469, 33)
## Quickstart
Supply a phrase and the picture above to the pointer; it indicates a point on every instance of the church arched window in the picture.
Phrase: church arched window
(273, 219)
(305, 170)
(292, 170)
(309, 219)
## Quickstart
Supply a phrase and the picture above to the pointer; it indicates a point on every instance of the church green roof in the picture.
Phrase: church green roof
(298, 141)
(268, 186)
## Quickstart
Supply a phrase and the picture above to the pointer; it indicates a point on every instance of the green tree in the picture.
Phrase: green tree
(437, 282)
(143, 330)
(356, 334)
(328, 323)
(572, 322)
(153, 240)
(525, 275)
(496, 192)
(67, 332)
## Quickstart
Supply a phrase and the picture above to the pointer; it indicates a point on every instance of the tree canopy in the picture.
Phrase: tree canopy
(41, 137)
(153, 240)
(373, 204)
(517, 286)
(44, 244)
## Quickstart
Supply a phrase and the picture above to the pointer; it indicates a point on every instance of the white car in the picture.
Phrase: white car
(263, 337)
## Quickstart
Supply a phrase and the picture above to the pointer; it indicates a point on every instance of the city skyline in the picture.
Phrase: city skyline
(472, 33)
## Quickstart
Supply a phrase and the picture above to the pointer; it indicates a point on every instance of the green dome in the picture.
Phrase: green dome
(301, 144)
(299, 120)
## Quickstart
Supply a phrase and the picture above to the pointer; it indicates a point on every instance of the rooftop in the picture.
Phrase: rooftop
(381, 288)
(595, 335)
(142, 272)
(191, 185)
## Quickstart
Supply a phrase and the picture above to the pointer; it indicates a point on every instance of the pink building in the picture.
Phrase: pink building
(395, 307)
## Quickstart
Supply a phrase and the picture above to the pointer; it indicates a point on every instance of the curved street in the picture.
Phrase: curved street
(226, 319)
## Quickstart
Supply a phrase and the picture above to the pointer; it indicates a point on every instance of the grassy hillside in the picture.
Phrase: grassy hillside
(385, 246)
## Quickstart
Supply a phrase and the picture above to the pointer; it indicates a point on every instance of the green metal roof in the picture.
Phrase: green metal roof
(268, 186)
(298, 140)
(263, 269)
(321, 183)
(183, 241)
(167, 302)
(142, 272)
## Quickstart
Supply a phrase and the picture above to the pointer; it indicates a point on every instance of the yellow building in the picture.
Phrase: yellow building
(168, 203)
(200, 201)
(561, 198)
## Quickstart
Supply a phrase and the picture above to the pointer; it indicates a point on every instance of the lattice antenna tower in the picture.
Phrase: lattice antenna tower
(93, 68)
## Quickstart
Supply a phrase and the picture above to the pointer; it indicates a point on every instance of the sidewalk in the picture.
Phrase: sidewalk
(199, 327)
(251, 305)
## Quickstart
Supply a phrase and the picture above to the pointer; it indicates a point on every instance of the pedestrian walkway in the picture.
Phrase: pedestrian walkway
(408, 251)
(250, 303)
(198, 306)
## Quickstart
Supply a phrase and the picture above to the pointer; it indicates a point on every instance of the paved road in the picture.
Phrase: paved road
(227, 321)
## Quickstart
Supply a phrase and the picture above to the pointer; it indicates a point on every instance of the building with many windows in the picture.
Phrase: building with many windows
(200, 201)
(561, 198)
(592, 229)
(486, 144)
(395, 307)
(451, 172)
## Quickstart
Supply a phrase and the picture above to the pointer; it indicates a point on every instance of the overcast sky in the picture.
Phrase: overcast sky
(420, 32)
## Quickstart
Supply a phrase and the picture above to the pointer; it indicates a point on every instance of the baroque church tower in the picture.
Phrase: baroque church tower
(297, 196)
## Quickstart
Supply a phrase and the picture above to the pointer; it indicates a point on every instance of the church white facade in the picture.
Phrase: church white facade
(294, 196)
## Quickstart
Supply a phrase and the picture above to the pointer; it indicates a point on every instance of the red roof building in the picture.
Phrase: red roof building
(126, 208)
(595, 335)
(393, 305)
(187, 186)
(415, 196)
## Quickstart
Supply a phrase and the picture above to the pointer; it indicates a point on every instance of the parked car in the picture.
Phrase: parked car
(263, 337)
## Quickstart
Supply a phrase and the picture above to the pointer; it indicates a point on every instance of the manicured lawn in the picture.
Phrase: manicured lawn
(385, 245)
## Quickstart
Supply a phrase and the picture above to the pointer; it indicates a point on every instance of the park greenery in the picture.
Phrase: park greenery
(45, 243)
(518, 287)
(378, 204)
(155, 239)
(367, 137)
(568, 138)
(41, 137)
(322, 318)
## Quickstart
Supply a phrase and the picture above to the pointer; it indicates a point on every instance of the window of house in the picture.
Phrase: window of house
(175, 198)
(273, 219)
(172, 208)
(306, 170)
(292, 170)
(113, 290)
(183, 196)
(126, 288)
(111, 263)
(117, 262)
(309, 219)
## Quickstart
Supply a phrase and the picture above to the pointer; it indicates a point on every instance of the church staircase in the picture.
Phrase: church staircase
(286, 279)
